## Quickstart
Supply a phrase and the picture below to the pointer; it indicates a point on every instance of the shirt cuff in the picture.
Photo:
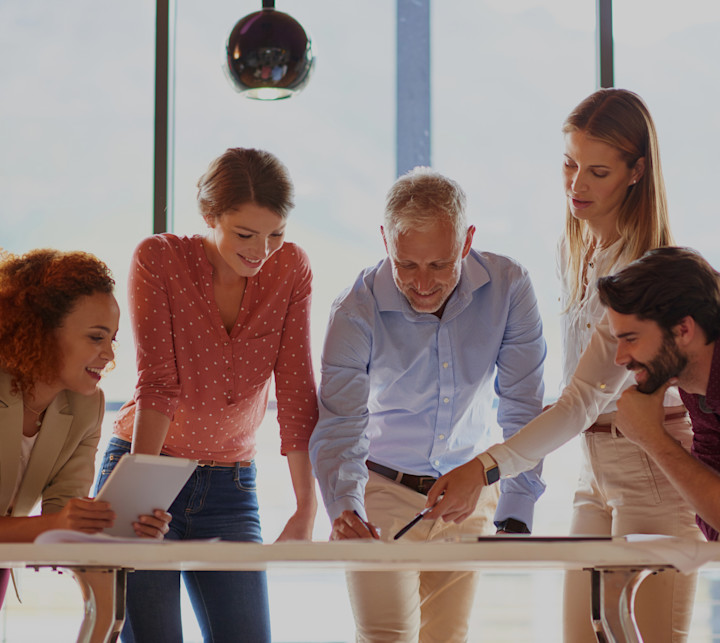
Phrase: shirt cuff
(346, 503)
(288, 444)
(164, 405)
(515, 505)
(510, 462)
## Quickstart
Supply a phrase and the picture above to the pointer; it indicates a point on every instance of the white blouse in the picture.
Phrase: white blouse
(26, 447)
(592, 381)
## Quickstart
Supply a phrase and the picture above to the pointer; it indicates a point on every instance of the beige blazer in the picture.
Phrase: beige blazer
(62, 462)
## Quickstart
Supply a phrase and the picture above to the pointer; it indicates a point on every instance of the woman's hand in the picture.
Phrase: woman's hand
(155, 526)
(84, 514)
(299, 527)
(455, 495)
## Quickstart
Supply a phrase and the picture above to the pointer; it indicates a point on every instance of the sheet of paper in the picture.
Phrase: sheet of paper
(55, 536)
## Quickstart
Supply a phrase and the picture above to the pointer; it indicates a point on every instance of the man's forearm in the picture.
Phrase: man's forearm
(697, 483)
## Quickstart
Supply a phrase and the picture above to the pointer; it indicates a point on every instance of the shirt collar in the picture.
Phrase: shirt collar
(473, 275)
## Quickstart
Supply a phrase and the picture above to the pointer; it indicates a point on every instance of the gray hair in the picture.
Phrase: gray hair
(421, 197)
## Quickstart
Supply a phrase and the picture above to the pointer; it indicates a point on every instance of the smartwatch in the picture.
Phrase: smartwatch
(512, 526)
(492, 471)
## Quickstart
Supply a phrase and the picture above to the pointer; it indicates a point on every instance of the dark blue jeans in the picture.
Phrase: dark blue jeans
(217, 502)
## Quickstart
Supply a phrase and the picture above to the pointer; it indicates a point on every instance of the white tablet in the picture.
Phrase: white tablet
(140, 483)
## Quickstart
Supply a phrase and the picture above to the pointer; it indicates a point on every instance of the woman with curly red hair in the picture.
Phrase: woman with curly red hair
(58, 319)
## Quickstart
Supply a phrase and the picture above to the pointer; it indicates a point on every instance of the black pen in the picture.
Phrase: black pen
(364, 523)
(412, 523)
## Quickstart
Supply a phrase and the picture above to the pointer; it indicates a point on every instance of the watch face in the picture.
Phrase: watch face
(492, 474)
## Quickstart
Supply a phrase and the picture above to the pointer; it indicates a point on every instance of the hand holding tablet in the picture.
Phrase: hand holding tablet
(140, 484)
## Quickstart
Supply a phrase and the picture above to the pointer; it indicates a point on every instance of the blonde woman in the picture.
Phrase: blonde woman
(616, 210)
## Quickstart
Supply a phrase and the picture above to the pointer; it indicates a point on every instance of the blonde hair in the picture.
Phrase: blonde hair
(621, 119)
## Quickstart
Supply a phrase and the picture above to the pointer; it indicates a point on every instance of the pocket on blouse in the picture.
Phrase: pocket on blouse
(259, 355)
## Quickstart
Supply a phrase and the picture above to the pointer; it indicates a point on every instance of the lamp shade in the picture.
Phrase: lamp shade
(269, 55)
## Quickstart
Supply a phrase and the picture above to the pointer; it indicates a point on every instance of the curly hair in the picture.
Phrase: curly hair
(37, 291)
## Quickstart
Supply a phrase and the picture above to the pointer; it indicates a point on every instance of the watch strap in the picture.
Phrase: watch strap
(492, 471)
(512, 526)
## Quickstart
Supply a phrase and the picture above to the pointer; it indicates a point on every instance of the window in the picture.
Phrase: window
(670, 58)
(76, 125)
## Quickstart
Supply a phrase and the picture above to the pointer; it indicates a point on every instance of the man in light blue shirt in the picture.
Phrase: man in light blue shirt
(412, 353)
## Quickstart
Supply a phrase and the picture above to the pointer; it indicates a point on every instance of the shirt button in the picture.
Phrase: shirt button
(589, 325)
(445, 364)
(446, 400)
(441, 436)
(437, 463)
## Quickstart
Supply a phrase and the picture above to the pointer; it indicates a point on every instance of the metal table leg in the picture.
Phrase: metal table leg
(613, 598)
(103, 592)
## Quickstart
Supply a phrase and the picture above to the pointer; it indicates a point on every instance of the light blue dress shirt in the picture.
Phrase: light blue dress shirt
(413, 392)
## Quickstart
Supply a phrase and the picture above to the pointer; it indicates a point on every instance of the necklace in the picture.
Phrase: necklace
(39, 414)
(590, 255)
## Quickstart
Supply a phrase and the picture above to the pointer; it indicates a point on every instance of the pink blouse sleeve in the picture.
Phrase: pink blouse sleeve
(294, 376)
(158, 385)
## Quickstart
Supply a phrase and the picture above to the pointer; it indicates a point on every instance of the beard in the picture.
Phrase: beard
(667, 363)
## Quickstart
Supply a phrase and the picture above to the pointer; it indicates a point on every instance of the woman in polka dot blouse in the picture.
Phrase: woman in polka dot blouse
(215, 317)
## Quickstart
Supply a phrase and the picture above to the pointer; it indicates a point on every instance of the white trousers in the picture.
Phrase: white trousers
(622, 491)
(412, 606)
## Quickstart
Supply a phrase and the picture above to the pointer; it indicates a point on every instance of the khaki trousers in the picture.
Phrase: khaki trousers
(621, 491)
(412, 606)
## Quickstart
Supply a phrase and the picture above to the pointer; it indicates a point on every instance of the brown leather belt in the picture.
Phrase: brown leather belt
(217, 463)
(608, 428)
(421, 484)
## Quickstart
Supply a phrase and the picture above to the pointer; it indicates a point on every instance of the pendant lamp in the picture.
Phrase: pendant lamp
(269, 55)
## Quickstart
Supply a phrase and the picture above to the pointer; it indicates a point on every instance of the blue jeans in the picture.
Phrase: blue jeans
(230, 606)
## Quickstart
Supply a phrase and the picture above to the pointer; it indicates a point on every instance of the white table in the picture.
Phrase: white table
(617, 567)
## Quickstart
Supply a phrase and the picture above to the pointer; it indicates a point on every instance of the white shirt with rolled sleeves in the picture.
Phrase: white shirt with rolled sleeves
(414, 392)
(592, 381)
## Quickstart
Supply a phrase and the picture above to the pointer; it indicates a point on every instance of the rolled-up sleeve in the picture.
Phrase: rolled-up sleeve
(596, 382)
(294, 377)
(158, 386)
